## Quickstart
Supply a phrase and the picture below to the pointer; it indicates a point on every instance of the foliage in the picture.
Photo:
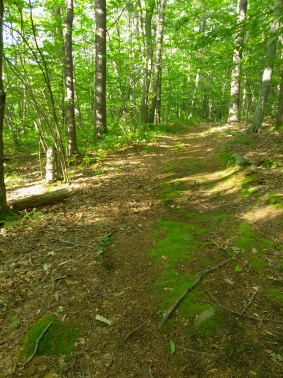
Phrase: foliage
(196, 67)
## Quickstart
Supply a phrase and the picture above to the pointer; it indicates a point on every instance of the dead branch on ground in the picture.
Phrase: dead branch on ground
(241, 314)
(168, 313)
(133, 331)
(250, 302)
(36, 345)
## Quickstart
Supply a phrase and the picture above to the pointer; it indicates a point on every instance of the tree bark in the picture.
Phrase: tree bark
(237, 57)
(147, 63)
(279, 115)
(69, 79)
(156, 88)
(100, 69)
(39, 200)
(267, 73)
(3, 198)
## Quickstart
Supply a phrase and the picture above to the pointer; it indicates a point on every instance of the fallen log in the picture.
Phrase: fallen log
(38, 200)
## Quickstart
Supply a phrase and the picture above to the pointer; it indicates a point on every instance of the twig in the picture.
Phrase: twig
(36, 345)
(217, 304)
(133, 331)
(150, 372)
(60, 278)
(168, 313)
(30, 259)
(249, 303)
(76, 245)
(197, 352)
(219, 246)
(5, 341)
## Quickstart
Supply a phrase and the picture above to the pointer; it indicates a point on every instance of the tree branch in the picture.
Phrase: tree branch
(168, 313)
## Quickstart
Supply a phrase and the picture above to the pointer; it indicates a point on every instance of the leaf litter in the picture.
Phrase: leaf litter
(64, 263)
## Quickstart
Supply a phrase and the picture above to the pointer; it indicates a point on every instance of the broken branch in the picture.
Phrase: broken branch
(76, 245)
(36, 345)
(219, 246)
(249, 303)
(134, 330)
(240, 314)
(168, 313)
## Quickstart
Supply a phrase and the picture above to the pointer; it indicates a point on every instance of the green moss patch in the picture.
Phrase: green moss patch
(276, 200)
(170, 191)
(253, 246)
(276, 295)
(58, 340)
(210, 327)
(227, 158)
(176, 245)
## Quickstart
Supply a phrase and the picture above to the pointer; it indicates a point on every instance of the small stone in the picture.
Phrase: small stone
(205, 315)
(240, 160)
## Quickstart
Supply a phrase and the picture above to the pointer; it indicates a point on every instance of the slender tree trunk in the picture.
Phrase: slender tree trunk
(147, 63)
(156, 88)
(237, 57)
(44, 70)
(100, 69)
(279, 115)
(69, 79)
(267, 73)
(3, 198)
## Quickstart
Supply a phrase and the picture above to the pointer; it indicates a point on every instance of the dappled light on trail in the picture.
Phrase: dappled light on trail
(141, 226)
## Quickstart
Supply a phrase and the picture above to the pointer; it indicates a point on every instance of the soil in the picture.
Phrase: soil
(86, 260)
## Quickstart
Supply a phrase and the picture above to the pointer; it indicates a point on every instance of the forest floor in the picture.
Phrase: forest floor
(93, 276)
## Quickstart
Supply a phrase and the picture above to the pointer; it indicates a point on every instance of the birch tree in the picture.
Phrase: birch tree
(156, 88)
(268, 71)
(147, 65)
(237, 57)
(3, 199)
(69, 79)
(100, 69)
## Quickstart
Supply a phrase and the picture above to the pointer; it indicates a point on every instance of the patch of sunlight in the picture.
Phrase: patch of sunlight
(215, 176)
(226, 186)
(265, 214)
(30, 190)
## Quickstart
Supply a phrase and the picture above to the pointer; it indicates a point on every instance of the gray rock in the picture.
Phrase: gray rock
(240, 160)
(205, 315)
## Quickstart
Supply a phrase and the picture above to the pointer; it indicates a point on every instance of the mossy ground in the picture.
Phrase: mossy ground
(180, 243)
(58, 340)
(181, 188)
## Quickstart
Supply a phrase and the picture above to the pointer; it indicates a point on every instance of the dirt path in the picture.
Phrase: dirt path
(97, 262)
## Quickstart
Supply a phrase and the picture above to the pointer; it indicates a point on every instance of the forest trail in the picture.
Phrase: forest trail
(138, 228)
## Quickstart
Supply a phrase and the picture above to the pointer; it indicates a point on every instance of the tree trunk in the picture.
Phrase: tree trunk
(3, 198)
(100, 69)
(237, 57)
(267, 73)
(147, 63)
(279, 115)
(156, 88)
(69, 79)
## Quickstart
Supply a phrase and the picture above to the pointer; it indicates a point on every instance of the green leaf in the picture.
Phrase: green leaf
(277, 358)
(238, 268)
(172, 347)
